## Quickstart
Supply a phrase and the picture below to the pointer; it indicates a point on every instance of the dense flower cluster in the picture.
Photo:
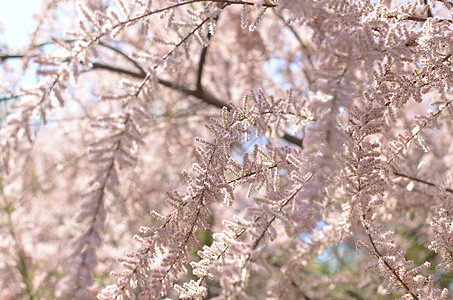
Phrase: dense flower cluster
(229, 149)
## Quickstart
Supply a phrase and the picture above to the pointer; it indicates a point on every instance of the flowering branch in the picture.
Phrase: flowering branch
(381, 257)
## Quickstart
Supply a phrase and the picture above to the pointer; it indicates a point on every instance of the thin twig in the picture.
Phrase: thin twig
(133, 61)
(279, 210)
(388, 266)
(417, 18)
(420, 181)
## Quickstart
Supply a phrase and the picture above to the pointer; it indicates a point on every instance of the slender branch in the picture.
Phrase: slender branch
(417, 18)
(420, 181)
(263, 232)
(446, 58)
(152, 12)
(388, 266)
(6, 56)
(255, 245)
(97, 65)
(229, 182)
(192, 32)
(182, 41)
(301, 291)
(417, 132)
(201, 65)
(133, 61)
(249, 175)
(135, 19)
(241, 2)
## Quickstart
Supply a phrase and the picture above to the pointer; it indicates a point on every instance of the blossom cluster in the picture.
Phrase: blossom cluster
(292, 149)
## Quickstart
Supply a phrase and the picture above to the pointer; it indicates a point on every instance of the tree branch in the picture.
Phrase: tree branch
(420, 181)
(6, 56)
(97, 65)
(199, 92)
(133, 61)
(417, 19)
(201, 64)
(202, 60)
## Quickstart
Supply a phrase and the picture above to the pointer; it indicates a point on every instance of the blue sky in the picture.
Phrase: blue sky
(16, 18)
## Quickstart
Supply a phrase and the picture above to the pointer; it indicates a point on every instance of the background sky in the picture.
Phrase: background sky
(16, 18)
